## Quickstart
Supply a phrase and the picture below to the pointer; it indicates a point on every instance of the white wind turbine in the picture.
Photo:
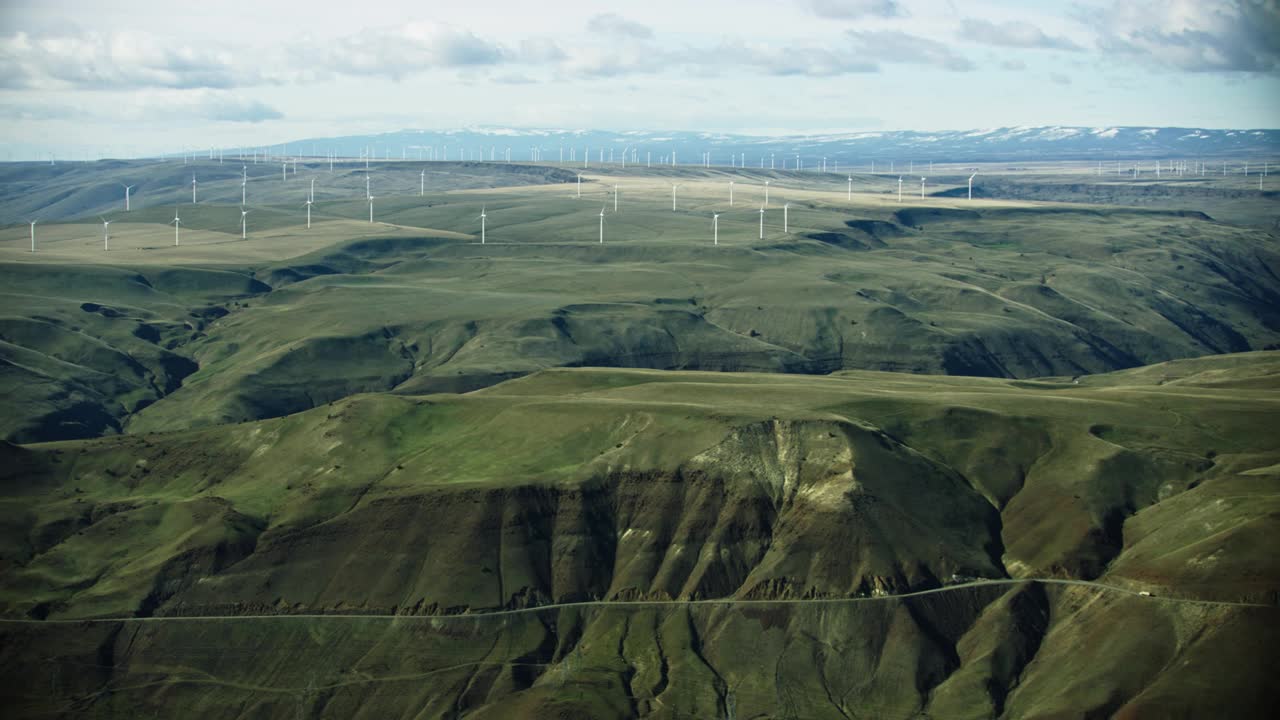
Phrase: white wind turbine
(785, 208)
(922, 188)
(715, 227)
(766, 191)
(849, 195)
(673, 196)
(244, 223)
(33, 236)
(971, 177)
(193, 189)
(761, 222)
(422, 184)
(312, 194)
(308, 204)
(177, 224)
(730, 193)
(579, 186)
(367, 195)
(284, 171)
(243, 183)
(127, 188)
(615, 197)
(899, 188)
(482, 219)
(370, 209)
(602, 225)
(106, 233)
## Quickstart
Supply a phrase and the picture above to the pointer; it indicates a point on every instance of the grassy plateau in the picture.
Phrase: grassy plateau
(1009, 457)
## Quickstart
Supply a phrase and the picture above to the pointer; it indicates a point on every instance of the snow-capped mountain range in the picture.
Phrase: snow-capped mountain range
(850, 149)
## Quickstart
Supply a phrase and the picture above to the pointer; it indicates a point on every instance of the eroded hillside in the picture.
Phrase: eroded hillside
(814, 503)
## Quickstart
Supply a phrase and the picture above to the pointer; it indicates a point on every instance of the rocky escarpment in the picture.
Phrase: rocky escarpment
(777, 509)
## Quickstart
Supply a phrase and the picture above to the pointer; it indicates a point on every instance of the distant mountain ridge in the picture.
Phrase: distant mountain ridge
(852, 149)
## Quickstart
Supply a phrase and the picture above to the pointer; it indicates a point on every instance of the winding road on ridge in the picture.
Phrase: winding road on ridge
(652, 603)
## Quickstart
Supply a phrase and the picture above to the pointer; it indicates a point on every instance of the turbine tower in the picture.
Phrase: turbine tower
(177, 224)
(761, 222)
(715, 228)
(785, 208)
(422, 184)
(33, 236)
(615, 197)
(579, 186)
(766, 191)
(127, 188)
(370, 209)
(673, 196)
(899, 188)
(730, 193)
(849, 195)
(971, 177)
(106, 233)
(244, 223)
(308, 204)
(193, 189)
(482, 218)
(601, 224)
(922, 188)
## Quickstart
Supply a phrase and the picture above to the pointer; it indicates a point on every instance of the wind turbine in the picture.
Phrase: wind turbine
(482, 217)
(106, 233)
(730, 193)
(899, 188)
(673, 196)
(849, 195)
(579, 186)
(284, 171)
(615, 197)
(422, 184)
(601, 224)
(715, 227)
(785, 208)
(308, 204)
(922, 188)
(971, 177)
(244, 223)
(193, 189)
(371, 209)
(242, 186)
(766, 191)
(367, 194)
(176, 225)
(127, 188)
(33, 236)
(312, 195)
(761, 222)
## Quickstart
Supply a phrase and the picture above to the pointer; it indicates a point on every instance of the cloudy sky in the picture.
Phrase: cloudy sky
(87, 76)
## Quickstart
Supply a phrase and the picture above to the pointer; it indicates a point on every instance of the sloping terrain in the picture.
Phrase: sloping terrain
(814, 502)
(987, 289)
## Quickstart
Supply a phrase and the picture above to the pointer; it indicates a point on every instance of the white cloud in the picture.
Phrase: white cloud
(615, 24)
(1013, 33)
(892, 46)
(112, 60)
(1192, 35)
(856, 9)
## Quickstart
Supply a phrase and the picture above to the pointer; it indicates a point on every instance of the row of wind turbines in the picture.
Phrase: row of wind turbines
(483, 217)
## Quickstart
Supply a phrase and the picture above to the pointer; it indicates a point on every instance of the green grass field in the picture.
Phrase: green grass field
(413, 303)
(597, 484)
(384, 470)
